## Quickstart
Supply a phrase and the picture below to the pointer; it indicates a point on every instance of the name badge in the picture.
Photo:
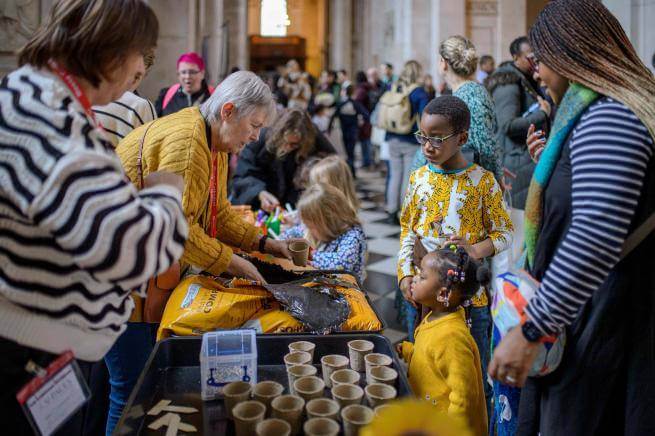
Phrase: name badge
(54, 395)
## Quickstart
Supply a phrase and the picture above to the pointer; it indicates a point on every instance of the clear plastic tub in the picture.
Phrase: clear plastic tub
(227, 356)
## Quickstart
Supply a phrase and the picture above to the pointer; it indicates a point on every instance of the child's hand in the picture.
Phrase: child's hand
(399, 349)
(405, 285)
(461, 242)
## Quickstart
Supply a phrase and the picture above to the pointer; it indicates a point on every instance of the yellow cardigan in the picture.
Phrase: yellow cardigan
(178, 144)
(444, 368)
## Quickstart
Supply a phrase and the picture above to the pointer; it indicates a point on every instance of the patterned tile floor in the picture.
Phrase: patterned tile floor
(383, 246)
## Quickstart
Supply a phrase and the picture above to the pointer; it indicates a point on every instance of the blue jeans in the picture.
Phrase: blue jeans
(504, 420)
(125, 361)
(481, 331)
(410, 318)
(366, 152)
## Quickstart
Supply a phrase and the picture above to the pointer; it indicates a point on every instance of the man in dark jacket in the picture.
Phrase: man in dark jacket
(191, 90)
(519, 103)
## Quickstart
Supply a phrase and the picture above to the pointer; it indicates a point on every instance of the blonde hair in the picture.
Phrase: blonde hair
(460, 54)
(326, 209)
(411, 73)
(333, 170)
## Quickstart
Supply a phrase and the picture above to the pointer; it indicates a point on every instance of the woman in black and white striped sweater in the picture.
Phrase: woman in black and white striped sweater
(75, 235)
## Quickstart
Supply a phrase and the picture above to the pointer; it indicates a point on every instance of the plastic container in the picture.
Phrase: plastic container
(227, 356)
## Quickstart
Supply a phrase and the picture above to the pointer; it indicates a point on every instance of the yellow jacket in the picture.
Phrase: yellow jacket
(444, 368)
(178, 143)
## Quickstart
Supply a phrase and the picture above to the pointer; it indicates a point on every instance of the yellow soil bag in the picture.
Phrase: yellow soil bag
(273, 319)
(201, 304)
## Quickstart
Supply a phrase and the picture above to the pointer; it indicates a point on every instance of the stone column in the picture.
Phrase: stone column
(243, 54)
(341, 29)
(215, 42)
(511, 25)
(192, 26)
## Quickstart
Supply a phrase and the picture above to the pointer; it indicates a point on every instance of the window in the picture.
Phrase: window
(274, 18)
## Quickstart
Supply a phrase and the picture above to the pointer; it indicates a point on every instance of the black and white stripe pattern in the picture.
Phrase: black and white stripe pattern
(75, 235)
(120, 117)
(610, 151)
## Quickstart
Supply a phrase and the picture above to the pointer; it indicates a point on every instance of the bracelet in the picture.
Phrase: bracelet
(262, 243)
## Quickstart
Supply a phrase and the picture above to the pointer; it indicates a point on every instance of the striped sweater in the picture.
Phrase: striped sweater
(75, 235)
(610, 151)
(121, 116)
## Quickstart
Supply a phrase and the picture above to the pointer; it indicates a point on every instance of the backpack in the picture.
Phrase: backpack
(171, 93)
(395, 110)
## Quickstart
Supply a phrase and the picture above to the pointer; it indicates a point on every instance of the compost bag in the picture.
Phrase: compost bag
(317, 303)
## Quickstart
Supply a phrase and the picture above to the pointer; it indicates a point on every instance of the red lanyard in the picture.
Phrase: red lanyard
(213, 187)
(74, 87)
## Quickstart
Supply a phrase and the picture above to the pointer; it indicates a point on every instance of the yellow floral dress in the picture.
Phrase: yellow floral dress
(440, 204)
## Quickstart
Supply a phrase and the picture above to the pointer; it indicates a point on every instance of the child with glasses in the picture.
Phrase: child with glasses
(450, 200)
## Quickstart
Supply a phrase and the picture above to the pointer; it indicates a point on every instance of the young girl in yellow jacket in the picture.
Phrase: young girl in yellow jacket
(444, 362)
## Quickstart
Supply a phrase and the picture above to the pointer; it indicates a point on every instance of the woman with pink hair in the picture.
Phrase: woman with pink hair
(191, 90)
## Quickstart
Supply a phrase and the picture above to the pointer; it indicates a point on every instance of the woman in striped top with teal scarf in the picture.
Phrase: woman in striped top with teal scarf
(593, 186)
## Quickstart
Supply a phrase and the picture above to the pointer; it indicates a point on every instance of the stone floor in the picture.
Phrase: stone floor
(383, 247)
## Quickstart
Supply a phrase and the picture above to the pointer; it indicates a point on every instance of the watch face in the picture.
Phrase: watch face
(531, 332)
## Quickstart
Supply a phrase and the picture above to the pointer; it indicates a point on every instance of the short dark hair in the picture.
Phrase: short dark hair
(453, 109)
(91, 38)
(360, 77)
(343, 72)
(388, 65)
(332, 74)
(515, 46)
(486, 58)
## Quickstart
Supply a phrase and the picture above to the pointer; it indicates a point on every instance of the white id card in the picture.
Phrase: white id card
(49, 399)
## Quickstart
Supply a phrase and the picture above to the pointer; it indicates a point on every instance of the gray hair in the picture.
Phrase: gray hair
(246, 91)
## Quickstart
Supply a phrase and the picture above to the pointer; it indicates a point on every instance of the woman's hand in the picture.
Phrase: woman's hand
(513, 358)
(240, 267)
(280, 248)
(268, 201)
(536, 143)
(405, 285)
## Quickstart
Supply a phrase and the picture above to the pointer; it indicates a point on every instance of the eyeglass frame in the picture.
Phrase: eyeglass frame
(533, 61)
(189, 72)
(431, 139)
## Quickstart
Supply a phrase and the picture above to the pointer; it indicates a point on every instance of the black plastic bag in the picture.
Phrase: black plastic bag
(321, 309)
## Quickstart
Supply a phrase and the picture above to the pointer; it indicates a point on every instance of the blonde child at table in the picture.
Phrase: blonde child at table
(330, 223)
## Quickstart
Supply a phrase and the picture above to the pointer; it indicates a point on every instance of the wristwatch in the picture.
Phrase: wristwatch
(531, 332)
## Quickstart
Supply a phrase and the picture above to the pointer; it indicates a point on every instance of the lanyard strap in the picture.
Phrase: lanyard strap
(74, 87)
(213, 187)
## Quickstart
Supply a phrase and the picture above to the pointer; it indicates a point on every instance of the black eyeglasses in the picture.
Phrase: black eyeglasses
(534, 62)
(434, 141)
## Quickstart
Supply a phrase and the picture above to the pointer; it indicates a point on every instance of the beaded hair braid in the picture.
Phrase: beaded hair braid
(456, 275)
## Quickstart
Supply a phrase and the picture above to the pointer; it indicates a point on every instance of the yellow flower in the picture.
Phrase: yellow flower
(414, 418)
